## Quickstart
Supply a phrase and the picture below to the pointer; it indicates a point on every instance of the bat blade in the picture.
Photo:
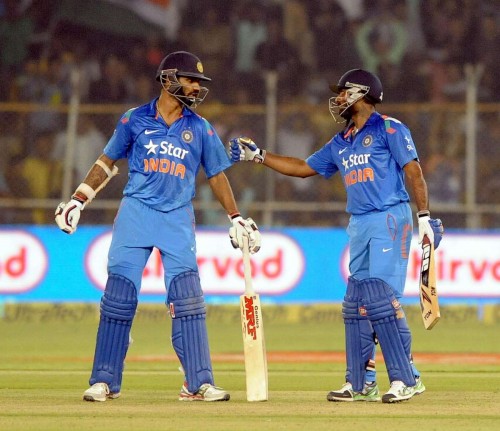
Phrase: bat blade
(254, 348)
(429, 303)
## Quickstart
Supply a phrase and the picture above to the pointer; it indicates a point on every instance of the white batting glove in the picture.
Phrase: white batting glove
(241, 228)
(243, 149)
(424, 226)
(68, 215)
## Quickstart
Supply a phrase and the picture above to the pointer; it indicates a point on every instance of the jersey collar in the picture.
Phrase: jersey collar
(350, 128)
(153, 112)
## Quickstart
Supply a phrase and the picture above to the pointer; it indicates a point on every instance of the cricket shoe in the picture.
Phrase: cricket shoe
(99, 392)
(419, 387)
(400, 392)
(369, 393)
(206, 392)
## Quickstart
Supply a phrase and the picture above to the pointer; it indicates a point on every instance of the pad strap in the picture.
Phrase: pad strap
(189, 332)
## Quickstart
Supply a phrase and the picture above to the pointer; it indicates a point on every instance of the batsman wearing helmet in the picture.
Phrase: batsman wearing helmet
(165, 143)
(376, 156)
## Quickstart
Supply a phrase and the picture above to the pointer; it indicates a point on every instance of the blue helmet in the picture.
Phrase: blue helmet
(175, 65)
(358, 83)
(184, 63)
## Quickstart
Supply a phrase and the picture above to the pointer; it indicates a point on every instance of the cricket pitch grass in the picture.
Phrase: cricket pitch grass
(46, 355)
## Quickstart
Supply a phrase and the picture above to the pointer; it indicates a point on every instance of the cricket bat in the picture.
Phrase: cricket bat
(429, 303)
(254, 345)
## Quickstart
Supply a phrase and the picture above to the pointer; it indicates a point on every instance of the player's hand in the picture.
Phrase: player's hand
(241, 228)
(432, 228)
(244, 149)
(68, 215)
(438, 229)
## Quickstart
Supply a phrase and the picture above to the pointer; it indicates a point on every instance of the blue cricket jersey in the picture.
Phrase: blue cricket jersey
(163, 161)
(370, 162)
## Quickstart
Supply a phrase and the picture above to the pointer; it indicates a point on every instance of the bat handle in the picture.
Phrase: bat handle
(247, 267)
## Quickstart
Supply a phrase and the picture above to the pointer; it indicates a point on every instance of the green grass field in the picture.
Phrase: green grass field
(46, 354)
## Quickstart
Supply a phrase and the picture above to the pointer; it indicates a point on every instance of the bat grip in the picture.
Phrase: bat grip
(247, 267)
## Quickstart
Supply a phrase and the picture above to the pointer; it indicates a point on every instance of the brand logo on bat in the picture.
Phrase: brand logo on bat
(251, 324)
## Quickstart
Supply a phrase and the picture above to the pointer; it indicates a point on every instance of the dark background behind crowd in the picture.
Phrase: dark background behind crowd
(418, 47)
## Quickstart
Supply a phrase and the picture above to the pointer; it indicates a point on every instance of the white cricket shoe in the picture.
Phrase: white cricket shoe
(206, 392)
(398, 392)
(99, 392)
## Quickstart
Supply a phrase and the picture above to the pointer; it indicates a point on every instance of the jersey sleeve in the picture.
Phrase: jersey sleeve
(214, 158)
(400, 142)
(322, 161)
(119, 144)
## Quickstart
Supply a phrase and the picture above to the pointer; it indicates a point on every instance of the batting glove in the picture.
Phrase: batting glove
(432, 228)
(244, 149)
(241, 228)
(438, 229)
(68, 215)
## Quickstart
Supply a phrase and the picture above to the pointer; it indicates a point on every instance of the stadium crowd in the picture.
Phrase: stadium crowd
(418, 48)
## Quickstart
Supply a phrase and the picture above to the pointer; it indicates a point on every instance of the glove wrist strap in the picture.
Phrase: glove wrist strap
(79, 197)
(232, 216)
(423, 213)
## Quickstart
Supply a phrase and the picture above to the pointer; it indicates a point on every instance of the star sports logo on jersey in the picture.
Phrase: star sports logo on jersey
(165, 165)
(360, 173)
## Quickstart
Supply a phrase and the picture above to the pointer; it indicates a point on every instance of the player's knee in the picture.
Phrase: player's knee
(378, 298)
(120, 298)
(185, 296)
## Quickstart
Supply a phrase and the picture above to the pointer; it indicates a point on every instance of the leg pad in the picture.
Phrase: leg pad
(359, 337)
(389, 322)
(189, 332)
(118, 306)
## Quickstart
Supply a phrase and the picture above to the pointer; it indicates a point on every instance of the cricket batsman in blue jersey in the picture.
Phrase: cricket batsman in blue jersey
(376, 156)
(165, 143)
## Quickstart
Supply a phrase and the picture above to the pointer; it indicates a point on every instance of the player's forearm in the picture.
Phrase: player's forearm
(418, 186)
(97, 178)
(290, 166)
(420, 195)
(97, 175)
(222, 190)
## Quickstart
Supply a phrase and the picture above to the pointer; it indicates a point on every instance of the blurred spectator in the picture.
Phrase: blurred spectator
(112, 87)
(16, 32)
(353, 9)
(213, 42)
(90, 142)
(455, 86)
(298, 32)
(43, 82)
(277, 54)
(249, 31)
(296, 134)
(412, 19)
(81, 57)
(334, 54)
(143, 89)
(488, 42)
(154, 52)
(41, 175)
(381, 42)
(443, 174)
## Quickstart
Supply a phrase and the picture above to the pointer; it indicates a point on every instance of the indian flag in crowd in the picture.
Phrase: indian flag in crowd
(163, 13)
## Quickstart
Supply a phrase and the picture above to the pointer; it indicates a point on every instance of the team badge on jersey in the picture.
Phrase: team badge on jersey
(367, 140)
(187, 136)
